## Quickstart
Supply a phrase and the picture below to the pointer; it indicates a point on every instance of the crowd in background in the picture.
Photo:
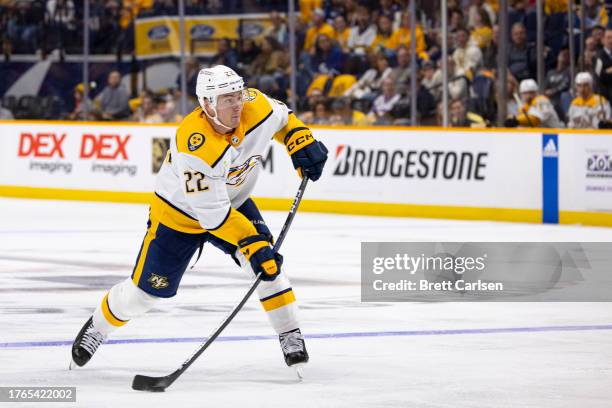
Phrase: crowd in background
(354, 60)
(38, 26)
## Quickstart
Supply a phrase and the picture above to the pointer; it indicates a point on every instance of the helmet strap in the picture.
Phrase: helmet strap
(215, 118)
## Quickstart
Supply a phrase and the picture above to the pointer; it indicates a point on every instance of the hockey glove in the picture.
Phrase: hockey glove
(511, 122)
(310, 160)
(258, 252)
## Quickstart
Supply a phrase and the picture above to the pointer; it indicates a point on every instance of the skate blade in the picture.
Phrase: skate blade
(73, 365)
(299, 370)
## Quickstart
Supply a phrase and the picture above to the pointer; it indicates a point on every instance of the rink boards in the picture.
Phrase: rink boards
(536, 176)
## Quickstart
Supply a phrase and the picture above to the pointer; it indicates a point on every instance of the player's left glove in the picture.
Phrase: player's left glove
(259, 253)
(310, 160)
(511, 122)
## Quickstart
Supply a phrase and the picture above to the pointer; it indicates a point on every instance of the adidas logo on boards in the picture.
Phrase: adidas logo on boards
(550, 150)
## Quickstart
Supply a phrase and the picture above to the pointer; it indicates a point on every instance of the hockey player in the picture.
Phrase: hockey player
(536, 111)
(588, 110)
(202, 195)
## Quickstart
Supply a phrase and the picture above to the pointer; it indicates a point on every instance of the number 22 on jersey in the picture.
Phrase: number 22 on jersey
(193, 182)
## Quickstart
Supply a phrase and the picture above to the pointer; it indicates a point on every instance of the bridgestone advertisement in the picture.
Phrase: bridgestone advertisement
(480, 169)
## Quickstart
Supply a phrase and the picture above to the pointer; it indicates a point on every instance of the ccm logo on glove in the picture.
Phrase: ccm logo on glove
(259, 253)
(299, 141)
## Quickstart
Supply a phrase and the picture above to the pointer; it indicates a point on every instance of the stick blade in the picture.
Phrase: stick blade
(151, 384)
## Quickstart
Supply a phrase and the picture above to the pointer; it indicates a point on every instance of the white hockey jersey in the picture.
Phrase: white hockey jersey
(540, 112)
(587, 113)
(207, 175)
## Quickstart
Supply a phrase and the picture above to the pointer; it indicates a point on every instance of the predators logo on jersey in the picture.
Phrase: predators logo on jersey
(195, 141)
(158, 282)
(238, 174)
(250, 95)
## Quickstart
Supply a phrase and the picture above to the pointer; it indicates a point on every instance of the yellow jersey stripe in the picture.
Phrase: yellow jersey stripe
(175, 207)
(220, 156)
(259, 123)
(108, 314)
(143, 252)
(277, 300)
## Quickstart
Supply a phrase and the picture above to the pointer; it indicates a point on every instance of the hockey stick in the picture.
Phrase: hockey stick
(159, 384)
(518, 102)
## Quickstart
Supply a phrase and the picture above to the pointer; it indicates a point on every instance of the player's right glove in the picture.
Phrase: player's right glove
(310, 159)
(259, 253)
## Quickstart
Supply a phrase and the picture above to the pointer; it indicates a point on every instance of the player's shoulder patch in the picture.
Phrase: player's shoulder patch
(197, 138)
(195, 141)
(251, 94)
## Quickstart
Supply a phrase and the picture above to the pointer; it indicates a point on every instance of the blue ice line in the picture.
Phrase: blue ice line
(24, 344)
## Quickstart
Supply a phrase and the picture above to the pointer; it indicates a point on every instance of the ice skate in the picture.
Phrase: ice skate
(85, 345)
(294, 350)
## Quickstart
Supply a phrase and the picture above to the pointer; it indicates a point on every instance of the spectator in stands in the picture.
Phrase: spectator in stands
(555, 6)
(321, 114)
(363, 33)
(113, 100)
(387, 8)
(558, 80)
(489, 53)
(482, 32)
(474, 11)
(78, 113)
(307, 115)
(536, 111)
(384, 42)
(167, 110)
(595, 14)
(341, 33)
(518, 12)
(147, 112)
(61, 22)
(246, 55)
(278, 29)
(107, 37)
(344, 114)
(61, 13)
(603, 66)
(432, 80)
(598, 33)
(512, 86)
(457, 84)
(319, 26)
(371, 81)
(426, 107)
(401, 36)
(268, 66)
(402, 72)
(521, 56)
(327, 57)
(456, 20)
(588, 110)
(467, 57)
(384, 103)
(335, 8)
(460, 117)
(23, 28)
(226, 55)
(590, 54)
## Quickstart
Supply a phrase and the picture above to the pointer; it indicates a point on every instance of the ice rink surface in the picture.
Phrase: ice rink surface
(57, 259)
